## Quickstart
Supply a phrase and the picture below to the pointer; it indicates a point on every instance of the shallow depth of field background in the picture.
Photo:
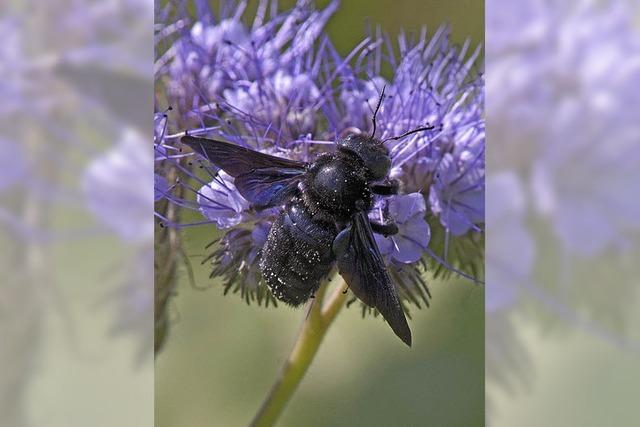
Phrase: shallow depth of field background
(568, 356)
(563, 213)
(221, 356)
(76, 293)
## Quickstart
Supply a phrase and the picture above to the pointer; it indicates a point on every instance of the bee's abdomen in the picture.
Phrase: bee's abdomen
(297, 254)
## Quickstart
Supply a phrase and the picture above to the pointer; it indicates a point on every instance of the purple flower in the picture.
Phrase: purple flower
(408, 212)
(221, 203)
(160, 187)
(457, 193)
(284, 100)
(280, 87)
(215, 55)
(357, 98)
(235, 260)
(433, 83)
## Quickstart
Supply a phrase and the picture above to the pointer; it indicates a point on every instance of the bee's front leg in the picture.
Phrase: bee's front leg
(387, 187)
(386, 229)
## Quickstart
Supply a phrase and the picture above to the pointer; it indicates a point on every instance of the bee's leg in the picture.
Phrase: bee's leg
(259, 208)
(341, 242)
(339, 246)
(387, 187)
(387, 229)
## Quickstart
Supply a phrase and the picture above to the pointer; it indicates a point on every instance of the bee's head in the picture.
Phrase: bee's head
(371, 151)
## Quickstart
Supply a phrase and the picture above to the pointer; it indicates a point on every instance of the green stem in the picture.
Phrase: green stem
(319, 317)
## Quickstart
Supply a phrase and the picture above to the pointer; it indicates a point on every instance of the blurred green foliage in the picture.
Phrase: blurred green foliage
(222, 356)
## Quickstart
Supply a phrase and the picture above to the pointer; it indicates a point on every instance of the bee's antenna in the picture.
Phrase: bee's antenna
(375, 113)
(420, 129)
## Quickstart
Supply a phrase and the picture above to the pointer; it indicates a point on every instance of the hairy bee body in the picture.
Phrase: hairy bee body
(324, 221)
(297, 254)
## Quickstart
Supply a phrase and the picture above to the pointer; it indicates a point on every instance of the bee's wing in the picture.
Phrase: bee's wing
(269, 186)
(362, 267)
(262, 179)
(236, 160)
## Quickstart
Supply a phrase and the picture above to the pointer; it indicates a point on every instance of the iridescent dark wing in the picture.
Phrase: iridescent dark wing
(262, 179)
(362, 267)
(269, 186)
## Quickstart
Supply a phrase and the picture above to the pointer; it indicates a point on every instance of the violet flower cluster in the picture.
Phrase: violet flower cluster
(275, 83)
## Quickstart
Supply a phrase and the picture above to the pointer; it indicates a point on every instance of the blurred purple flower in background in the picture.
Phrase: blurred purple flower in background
(13, 63)
(570, 94)
(122, 207)
(510, 249)
(585, 173)
(563, 110)
(117, 187)
(562, 216)
(72, 72)
(564, 114)
(14, 167)
(279, 86)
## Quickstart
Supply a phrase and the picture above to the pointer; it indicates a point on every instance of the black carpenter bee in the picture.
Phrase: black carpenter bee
(324, 220)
